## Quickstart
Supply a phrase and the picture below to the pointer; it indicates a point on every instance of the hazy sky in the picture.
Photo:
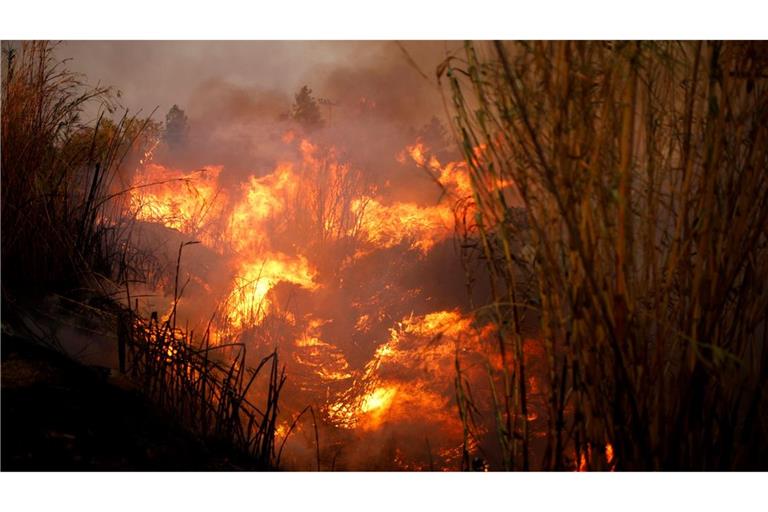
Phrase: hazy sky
(161, 73)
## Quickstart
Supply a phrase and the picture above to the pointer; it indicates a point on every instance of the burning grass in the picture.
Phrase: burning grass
(316, 290)
(208, 388)
(67, 226)
(609, 212)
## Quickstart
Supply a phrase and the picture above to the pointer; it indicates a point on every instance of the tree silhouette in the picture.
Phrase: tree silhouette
(437, 138)
(434, 135)
(306, 111)
(176, 127)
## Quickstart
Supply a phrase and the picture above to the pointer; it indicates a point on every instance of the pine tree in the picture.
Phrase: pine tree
(305, 110)
(176, 127)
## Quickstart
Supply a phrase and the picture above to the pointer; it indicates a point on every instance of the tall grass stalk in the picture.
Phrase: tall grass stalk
(60, 227)
(636, 225)
(208, 388)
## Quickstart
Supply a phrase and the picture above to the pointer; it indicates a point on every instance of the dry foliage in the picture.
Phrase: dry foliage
(637, 232)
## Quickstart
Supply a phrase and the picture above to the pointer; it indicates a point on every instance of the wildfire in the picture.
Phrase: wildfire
(326, 362)
(420, 350)
(416, 152)
(586, 457)
(386, 226)
(194, 204)
(273, 229)
(248, 303)
(180, 200)
(449, 323)
(422, 227)
(262, 199)
(378, 400)
(453, 176)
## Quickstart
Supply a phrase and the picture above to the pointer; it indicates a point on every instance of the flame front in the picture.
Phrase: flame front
(298, 228)
(247, 303)
(185, 201)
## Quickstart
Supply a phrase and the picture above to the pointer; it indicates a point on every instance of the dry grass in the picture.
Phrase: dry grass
(207, 387)
(58, 174)
(66, 226)
(637, 232)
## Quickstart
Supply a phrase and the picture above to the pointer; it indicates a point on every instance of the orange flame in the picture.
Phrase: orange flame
(179, 200)
(401, 380)
(418, 348)
(608, 453)
(386, 226)
(248, 303)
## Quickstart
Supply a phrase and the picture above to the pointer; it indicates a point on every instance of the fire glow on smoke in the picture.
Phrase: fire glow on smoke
(308, 247)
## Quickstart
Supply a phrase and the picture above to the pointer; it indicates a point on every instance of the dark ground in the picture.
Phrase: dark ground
(58, 415)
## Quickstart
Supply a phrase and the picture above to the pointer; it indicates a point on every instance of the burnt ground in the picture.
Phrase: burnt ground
(59, 415)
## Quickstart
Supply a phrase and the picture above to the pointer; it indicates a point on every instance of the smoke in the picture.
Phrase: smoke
(238, 94)
(375, 101)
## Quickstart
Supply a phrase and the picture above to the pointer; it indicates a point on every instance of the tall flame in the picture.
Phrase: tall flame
(274, 228)
(247, 303)
(185, 201)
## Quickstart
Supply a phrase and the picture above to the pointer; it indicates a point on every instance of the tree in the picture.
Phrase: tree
(306, 111)
(176, 127)
(436, 137)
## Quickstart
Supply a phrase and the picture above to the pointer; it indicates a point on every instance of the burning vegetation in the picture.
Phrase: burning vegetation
(575, 285)
(312, 230)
